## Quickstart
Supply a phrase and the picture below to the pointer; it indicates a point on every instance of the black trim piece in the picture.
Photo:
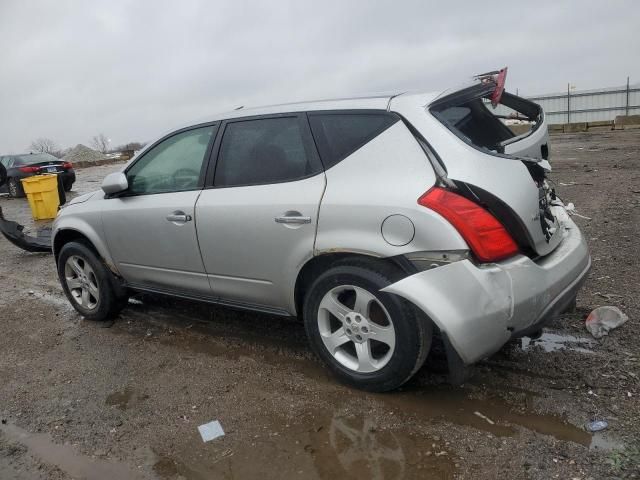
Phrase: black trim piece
(322, 143)
(215, 301)
(503, 213)
(463, 96)
(406, 265)
(438, 166)
(459, 372)
(13, 232)
(307, 139)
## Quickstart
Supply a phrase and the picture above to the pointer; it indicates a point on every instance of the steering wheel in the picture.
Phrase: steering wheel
(185, 178)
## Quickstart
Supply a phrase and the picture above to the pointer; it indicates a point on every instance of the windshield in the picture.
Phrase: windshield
(33, 158)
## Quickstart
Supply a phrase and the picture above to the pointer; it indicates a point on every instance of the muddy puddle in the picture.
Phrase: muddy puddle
(492, 415)
(342, 442)
(321, 445)
(193, 328)
(342, 445)
(67, 459)
(554, 341)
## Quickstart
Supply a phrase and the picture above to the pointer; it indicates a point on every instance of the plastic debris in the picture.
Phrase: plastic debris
(14, 233)
(604, 319)
(597, 425)
(210, 431)
(571, 210)
(484, 417)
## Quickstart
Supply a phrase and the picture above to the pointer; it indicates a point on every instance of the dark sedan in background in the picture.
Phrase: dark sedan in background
(27, 165)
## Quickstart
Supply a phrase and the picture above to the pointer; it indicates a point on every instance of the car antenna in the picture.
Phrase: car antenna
(239, 108)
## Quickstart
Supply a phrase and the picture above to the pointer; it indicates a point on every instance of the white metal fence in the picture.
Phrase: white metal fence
(575, 106)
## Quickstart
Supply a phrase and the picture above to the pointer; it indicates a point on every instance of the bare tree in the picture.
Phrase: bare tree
(101, 143)
(44, 145)
(130, 146)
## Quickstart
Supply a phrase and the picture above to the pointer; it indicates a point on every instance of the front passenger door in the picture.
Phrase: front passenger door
(151, 228)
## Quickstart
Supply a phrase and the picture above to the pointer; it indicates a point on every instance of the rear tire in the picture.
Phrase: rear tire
(369, 339)
(14, 187)
(88, 283)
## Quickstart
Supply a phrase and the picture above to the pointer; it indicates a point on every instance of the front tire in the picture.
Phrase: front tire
(369, 339)
(88, 283)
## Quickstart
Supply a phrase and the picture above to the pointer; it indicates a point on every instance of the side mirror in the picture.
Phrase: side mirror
(115, 183)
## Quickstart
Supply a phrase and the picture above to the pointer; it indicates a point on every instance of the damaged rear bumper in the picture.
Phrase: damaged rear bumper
(479, 308)
(13, 232)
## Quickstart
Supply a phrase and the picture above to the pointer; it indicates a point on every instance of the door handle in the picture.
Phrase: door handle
(179, 217)
(293, 220)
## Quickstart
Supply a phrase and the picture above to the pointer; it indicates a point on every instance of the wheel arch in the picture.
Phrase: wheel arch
(66, 234)
(318, 264)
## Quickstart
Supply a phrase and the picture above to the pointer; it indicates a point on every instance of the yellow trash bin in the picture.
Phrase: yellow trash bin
(42, 193)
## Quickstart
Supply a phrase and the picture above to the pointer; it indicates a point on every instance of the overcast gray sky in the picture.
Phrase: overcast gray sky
(133, 69)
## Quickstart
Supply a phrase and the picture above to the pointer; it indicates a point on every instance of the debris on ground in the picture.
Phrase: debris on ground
(571, 210)
(210, 431)
(597, 425)
(14, 233)
(484, 417)
(604, 319)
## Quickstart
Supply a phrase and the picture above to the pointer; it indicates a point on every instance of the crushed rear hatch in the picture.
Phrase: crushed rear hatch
(481, 113)
(484, 116)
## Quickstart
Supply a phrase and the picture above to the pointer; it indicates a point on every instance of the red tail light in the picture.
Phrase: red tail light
(67, 165)
(486, 236)
(29, 169)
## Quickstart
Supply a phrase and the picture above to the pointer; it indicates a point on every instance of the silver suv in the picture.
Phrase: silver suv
(382, 222)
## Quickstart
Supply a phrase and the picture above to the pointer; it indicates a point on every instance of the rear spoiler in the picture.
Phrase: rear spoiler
(497, 78)
(490, 86)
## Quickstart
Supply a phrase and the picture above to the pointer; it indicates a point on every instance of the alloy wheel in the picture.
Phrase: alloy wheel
(82, 282)
(356, 329)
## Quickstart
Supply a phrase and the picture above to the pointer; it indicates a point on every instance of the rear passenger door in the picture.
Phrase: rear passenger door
(257, 217)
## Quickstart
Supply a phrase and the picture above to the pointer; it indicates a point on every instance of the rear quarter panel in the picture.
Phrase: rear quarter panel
(385, 177)
(506, 178)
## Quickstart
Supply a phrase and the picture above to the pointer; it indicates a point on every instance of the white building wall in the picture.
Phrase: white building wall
(586, 105)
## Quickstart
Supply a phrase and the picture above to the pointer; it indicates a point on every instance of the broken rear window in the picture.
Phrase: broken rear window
(470, 115)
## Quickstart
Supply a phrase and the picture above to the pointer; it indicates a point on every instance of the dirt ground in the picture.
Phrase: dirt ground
(124, 400)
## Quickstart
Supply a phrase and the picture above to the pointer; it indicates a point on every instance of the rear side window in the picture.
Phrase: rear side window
(261, 151)
(338, 135)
